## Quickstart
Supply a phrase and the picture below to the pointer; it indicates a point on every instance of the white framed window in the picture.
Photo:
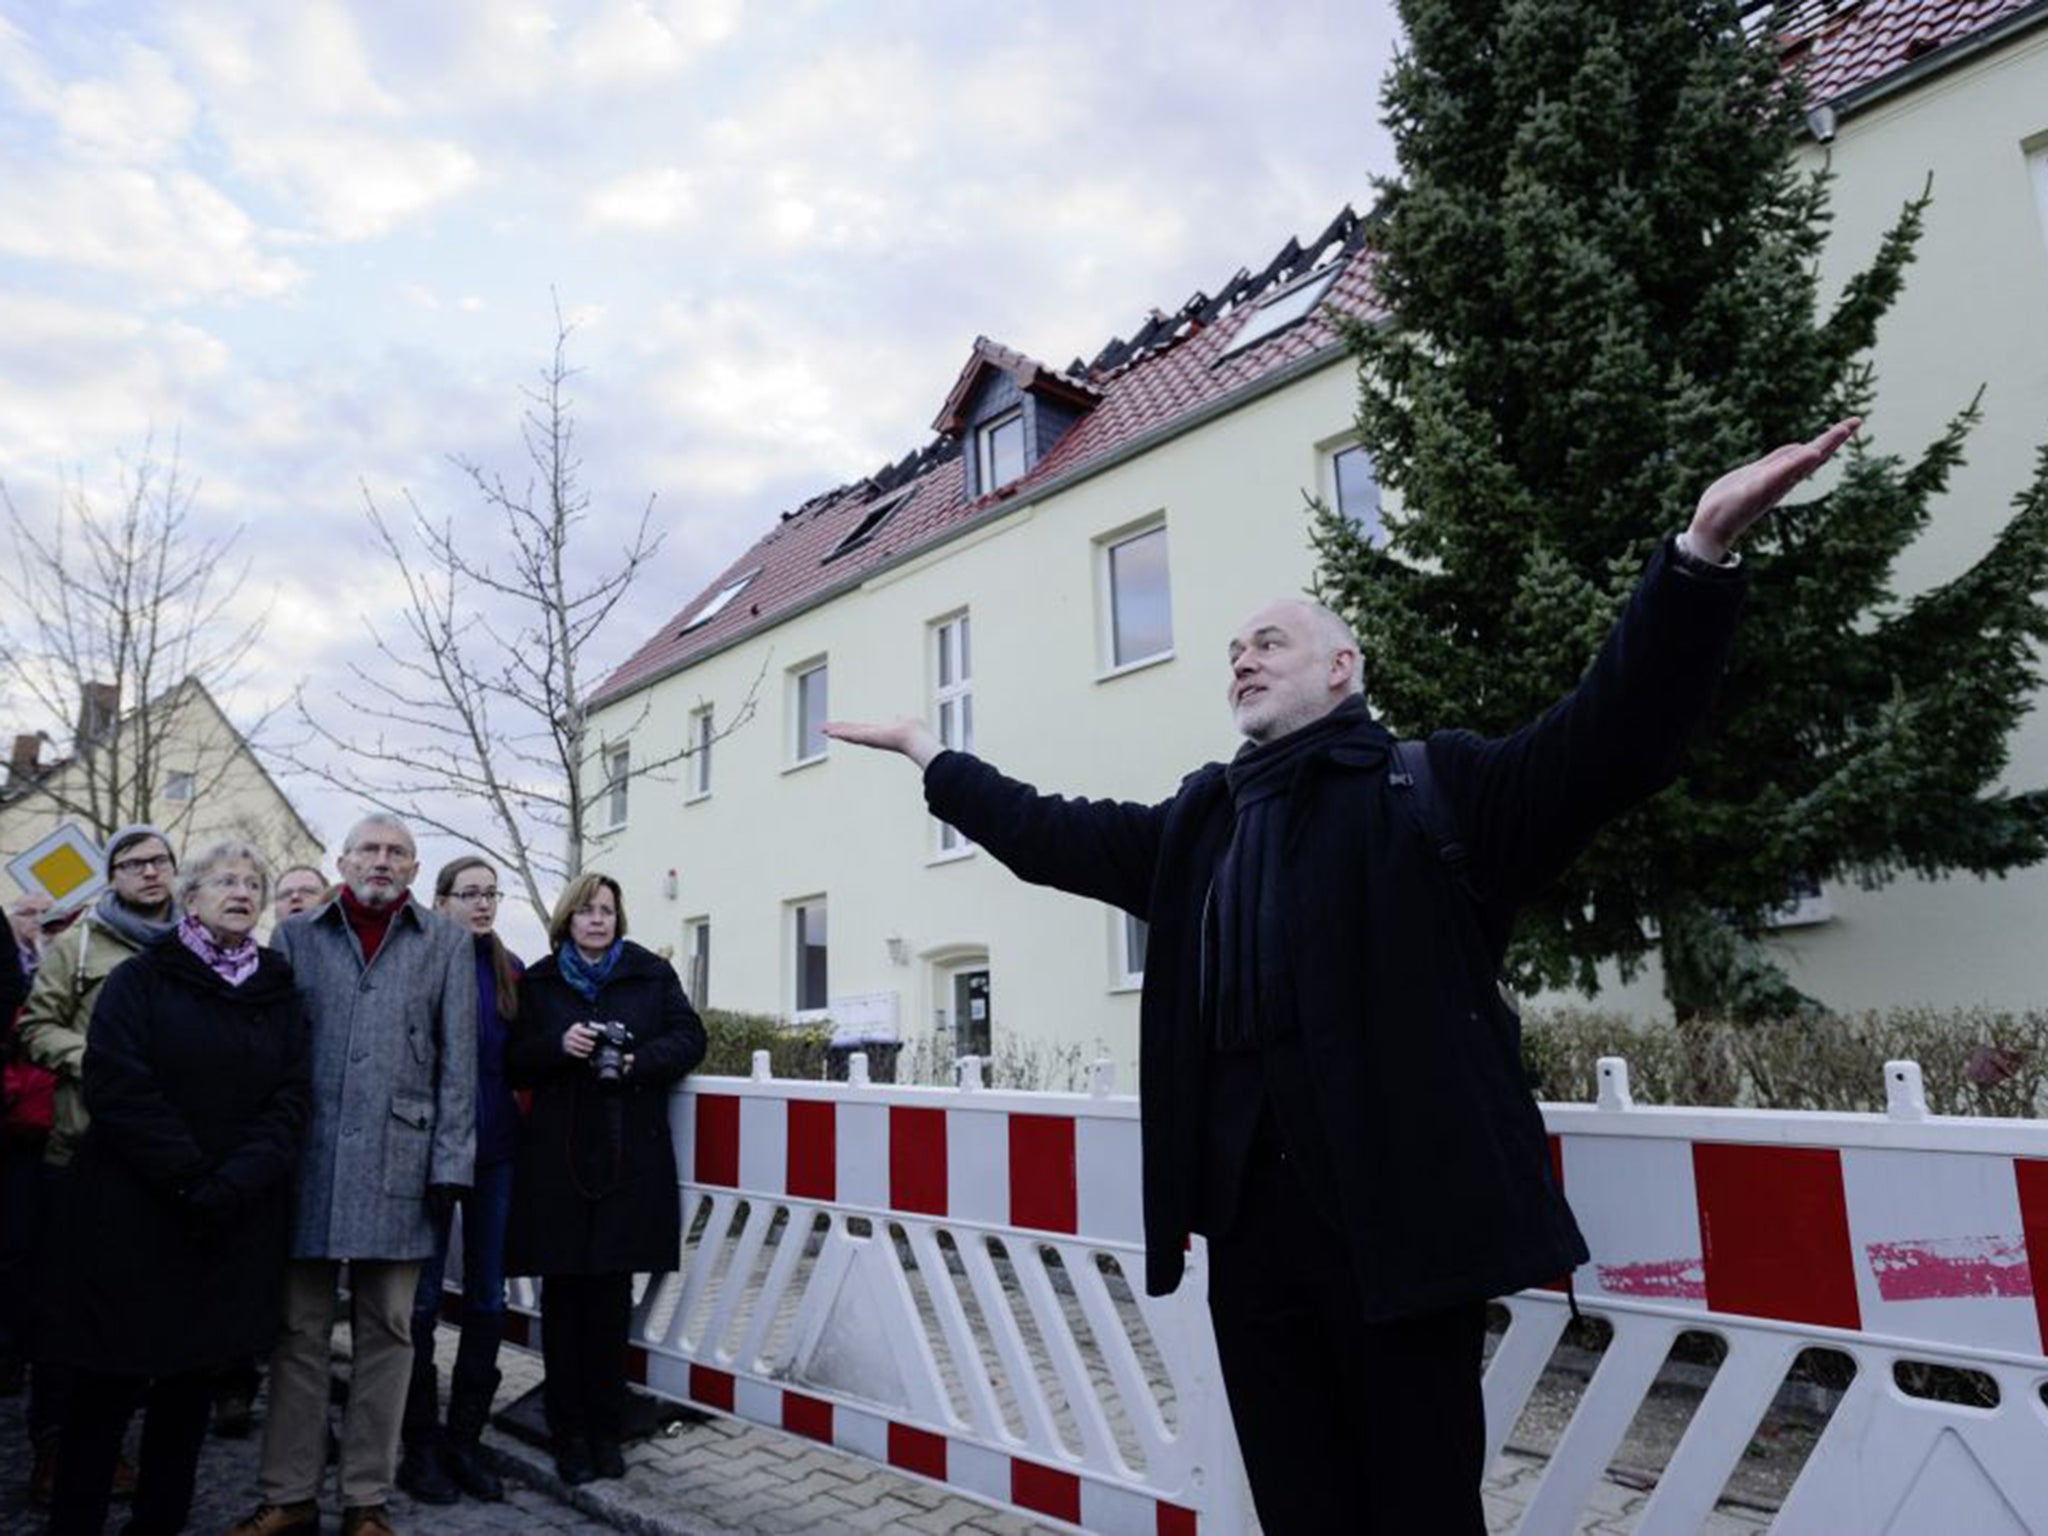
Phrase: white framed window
(1127, 950)
(1295, 302)
(702, 732)
(810, 988)
(1805, 905)
(1137, 597)
(1354, 491)
(952, 651)
(807, 711)
(618, 769)
(999, 451)
(726, 594)
(697, 960)
(180, 786)
(2037, 172)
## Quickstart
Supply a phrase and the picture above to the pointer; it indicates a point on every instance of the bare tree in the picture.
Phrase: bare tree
(480, 704)
(122, 626)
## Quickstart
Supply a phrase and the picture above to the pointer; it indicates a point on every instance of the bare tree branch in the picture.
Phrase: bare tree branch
(478, 714)
(107, 616)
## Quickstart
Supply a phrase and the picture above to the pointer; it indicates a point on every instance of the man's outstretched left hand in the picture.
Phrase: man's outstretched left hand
(1743, 495)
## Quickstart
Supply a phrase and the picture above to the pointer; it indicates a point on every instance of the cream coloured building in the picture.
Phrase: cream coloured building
(206, 783)
(1051, 582)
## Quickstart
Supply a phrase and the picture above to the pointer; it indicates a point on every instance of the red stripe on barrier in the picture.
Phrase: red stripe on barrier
(518, 1329)
(1175, 1521)
(711, 1388)
(1047, 1490)
(718, 1139)
(917, 1159)
(813, 1150)
(636, 1365)
(2031, 1174)
(810, 1417)
(917, 1450)
(1774, 1232)
(1042, 1191)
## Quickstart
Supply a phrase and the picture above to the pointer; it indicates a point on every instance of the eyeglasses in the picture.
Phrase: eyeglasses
(475, 895)
(143, 866)
(236, 883)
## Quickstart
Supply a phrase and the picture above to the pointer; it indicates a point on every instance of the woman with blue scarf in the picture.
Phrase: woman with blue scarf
(604, 1033)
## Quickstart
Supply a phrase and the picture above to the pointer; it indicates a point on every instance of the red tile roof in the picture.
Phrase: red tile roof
(1843, 45)
(1173, 367)
(1176, 365)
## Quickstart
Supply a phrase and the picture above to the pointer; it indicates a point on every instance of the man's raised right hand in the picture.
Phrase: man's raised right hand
(912, 737)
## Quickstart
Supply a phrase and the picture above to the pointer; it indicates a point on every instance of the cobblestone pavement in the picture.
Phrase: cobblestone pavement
(720, 1478)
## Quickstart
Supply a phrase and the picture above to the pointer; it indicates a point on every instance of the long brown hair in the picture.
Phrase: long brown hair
(502, 973)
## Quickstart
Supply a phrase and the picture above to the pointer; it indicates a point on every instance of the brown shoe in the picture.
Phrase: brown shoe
(369, 1520)
(280, 1520)
(42, 1479)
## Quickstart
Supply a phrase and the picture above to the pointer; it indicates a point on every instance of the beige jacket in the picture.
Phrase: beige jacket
(54, 1020)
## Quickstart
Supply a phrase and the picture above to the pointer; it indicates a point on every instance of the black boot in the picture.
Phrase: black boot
(420, 1470)
(422, 1474)
(469, 1408)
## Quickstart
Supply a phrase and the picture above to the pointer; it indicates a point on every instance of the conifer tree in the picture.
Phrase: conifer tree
(1598, 264)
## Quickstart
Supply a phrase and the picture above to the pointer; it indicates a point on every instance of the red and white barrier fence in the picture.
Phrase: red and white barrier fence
(950, 1283)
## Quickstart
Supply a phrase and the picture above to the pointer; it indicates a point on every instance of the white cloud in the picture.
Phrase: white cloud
(298, 101)
(170, 229)
(663, 197)
(76, 380)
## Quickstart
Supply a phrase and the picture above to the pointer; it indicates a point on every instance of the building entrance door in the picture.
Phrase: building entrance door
(971, 1015)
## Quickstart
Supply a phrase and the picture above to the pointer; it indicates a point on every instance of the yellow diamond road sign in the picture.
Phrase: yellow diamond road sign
(65, 866)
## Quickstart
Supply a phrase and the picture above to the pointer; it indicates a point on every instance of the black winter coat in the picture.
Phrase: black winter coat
(175, 1229)
(1442, 1167)
(582, 1202)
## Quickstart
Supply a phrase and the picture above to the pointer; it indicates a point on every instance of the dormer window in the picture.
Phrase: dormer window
(999, 450)
(717, 605)
(1294, 303)
(872, 521)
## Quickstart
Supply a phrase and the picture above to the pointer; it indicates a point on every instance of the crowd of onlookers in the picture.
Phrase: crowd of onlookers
(213, 1145)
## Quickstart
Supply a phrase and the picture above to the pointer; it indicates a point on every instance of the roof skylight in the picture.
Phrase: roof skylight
(726, 594)
(1283, 309)
(871, 522)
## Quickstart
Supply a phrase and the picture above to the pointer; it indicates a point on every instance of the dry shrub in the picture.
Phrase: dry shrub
(1973, 1061)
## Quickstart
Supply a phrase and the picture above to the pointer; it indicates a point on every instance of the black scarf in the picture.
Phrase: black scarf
(1251, 983)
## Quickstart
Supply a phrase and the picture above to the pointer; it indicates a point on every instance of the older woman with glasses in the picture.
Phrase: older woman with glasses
(173, 1250)
(604, 1034)
(438, 1468)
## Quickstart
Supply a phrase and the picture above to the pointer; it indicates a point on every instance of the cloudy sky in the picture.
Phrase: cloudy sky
(319, 243)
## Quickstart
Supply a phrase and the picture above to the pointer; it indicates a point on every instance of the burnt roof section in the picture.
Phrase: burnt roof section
(1171, 368)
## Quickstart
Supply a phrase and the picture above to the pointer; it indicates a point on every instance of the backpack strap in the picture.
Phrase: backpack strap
(1432, 814)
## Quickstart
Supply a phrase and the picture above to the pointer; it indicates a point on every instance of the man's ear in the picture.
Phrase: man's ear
(1344, 664)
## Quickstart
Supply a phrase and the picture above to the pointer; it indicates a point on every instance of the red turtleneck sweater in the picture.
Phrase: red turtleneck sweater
(370, 923)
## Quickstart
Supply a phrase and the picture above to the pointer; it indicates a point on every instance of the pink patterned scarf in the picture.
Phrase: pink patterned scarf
(233, 963)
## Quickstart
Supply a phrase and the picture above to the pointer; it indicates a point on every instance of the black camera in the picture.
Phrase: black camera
(608, 1060)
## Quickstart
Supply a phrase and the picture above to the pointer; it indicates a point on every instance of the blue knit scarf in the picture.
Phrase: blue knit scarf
(587, 976)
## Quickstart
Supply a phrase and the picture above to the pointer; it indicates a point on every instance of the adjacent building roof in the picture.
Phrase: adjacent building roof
(1178, 368)
(1844, 47)
(1175, 369)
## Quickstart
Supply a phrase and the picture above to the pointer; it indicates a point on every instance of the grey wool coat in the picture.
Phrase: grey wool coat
(394, 1080)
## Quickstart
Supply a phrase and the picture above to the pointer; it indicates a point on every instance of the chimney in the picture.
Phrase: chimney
(99, 705)
(23, 765)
